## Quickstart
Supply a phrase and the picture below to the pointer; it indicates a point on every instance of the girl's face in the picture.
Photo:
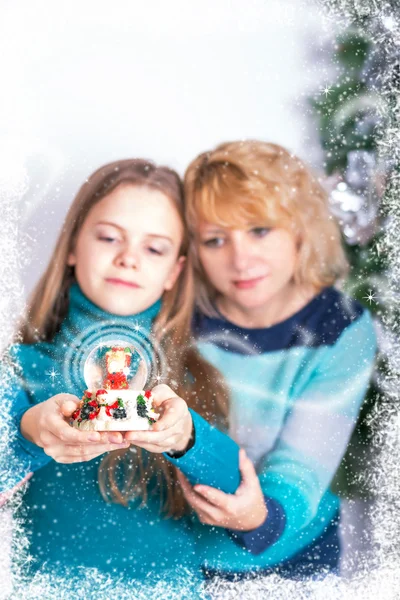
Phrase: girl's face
(127, 251)
(251, 268)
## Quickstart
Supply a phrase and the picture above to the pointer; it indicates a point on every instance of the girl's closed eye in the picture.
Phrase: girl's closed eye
(157, 247)
(107, 238)
(108, 234)
(155, 251)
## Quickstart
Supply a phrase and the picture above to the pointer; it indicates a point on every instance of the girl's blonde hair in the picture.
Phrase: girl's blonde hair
(48, 306)
(262, 184)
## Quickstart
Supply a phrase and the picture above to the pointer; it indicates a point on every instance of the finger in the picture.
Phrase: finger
(155, 449)
(68, 407)
(105, 437)
(168, 445)
(88, 449)
(212, 514)
(147, 437)
(164, 441)
(112, 437)
(64, 432)
(66, 403)
(160, 393)
(173, 411)
(247, 470)
(83, 453)
(186, 487)
(75, 459)
(200, 504)
(195, 501)
(204, 519)
(213, 496)
(183, 480)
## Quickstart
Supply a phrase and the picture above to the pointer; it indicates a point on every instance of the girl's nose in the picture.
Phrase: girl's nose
(129, 259)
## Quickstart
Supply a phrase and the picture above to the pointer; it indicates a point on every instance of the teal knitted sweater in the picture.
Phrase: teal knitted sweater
(68, 521)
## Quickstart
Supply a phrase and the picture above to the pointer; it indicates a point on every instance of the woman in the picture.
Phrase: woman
(296, 352)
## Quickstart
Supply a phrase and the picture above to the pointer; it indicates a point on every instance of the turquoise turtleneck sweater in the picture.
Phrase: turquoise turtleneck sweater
(69, 522)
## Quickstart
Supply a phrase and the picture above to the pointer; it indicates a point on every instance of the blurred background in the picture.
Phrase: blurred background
(88, 82)
(91, 82)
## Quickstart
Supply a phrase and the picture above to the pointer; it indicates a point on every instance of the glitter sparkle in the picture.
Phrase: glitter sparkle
(53, 374)
(371, 297)
(326, 90)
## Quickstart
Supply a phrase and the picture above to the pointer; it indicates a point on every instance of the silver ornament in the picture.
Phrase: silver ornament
(361, 166)
(356, 216)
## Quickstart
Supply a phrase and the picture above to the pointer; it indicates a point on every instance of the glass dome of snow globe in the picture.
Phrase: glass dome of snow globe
(116, 364)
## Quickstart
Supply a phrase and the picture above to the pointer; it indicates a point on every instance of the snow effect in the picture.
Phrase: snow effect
(379, 573)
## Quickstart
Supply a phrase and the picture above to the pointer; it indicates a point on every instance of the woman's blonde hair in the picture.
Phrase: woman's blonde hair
(259, 183)
(48, 306)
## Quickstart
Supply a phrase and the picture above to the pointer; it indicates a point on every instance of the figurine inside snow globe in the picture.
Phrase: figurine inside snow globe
(116, 375)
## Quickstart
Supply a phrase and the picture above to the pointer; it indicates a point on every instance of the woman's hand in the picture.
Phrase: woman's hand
(47, 425)
(172, 431)
(244, 510)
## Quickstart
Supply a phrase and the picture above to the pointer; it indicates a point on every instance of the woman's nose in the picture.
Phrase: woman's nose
(240, 255)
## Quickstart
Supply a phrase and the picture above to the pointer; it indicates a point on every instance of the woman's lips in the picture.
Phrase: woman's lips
(245, 284)
(122, 282)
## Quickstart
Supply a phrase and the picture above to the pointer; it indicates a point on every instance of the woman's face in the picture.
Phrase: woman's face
(127, 251)
(250, 268)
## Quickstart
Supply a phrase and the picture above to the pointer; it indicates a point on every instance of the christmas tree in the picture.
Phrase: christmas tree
(353, 114)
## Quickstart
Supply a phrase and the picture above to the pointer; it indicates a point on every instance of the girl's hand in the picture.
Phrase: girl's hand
(173, 430)
(244, 510)
(47, 425)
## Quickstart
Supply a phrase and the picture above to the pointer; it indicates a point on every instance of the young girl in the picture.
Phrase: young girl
(119, 267)
(296, 352)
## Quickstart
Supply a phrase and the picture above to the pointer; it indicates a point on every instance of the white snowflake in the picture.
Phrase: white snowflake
(371, 297)
(326, 90)
(53, 374)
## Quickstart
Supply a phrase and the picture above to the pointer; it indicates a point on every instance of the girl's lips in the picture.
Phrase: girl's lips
(245, 284)
(122, 282)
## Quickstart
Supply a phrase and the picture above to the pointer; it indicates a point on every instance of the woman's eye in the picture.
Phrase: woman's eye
(260, 231)
(213, 242)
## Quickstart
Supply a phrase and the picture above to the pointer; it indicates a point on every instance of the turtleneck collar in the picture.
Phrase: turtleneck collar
(84, 319)
(83, 309)
(85, 326)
